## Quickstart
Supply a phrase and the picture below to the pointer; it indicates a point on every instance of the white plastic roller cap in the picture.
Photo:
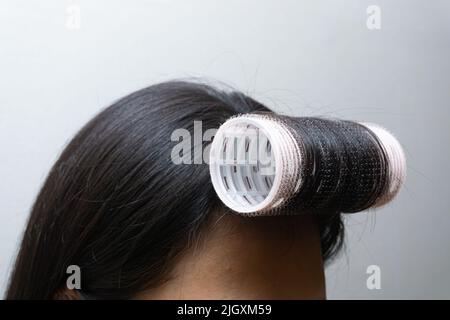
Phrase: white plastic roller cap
(254, 164)
(396, 162)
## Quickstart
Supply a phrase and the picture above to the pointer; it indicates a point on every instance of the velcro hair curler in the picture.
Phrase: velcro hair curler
(267, 164)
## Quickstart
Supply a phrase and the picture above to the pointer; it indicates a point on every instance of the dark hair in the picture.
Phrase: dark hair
(116, 205)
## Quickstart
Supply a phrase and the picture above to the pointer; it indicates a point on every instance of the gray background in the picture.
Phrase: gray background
(299, 57)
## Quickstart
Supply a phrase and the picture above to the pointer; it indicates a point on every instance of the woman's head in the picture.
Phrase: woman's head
(116, 205)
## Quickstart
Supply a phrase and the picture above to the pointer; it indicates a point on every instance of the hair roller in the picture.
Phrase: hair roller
(266, 164)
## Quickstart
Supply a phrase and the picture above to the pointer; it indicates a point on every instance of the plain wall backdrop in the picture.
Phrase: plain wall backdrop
(63, 61)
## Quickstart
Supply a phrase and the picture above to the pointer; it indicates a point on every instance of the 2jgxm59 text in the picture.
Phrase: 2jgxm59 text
(246, 309)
